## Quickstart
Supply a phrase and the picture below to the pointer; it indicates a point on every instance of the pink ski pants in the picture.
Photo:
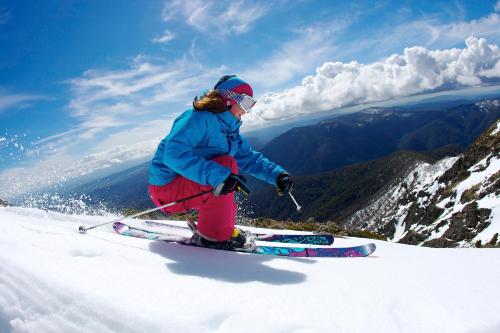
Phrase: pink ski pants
(216, 215)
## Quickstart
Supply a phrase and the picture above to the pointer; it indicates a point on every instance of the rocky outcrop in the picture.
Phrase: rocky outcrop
(454, 202)
(3, 203)
(464, 225)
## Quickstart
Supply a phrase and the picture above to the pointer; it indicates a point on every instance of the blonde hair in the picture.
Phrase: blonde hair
(211, 101)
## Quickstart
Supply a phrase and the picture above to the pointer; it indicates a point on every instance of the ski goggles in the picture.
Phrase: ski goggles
(244, 101)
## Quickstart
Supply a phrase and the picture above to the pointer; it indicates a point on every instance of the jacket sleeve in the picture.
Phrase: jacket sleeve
(254, 163)
(186, 134)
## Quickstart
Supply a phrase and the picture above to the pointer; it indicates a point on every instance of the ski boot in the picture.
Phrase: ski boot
(241, 239)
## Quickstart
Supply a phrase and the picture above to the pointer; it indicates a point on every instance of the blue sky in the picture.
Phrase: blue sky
(86, 85)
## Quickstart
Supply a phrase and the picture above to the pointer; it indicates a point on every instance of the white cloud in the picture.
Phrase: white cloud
(492, 72)
(486, 27)
(16, 101)
(56, 136)
(146, 132)
(497, 6)
(165, 38)
(417, 70)
(216, 18)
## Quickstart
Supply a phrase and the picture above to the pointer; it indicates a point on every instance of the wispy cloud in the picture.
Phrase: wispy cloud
(418, 70)
(216, 18)
(56, 136)
(309, 46)
(428, 31)
(17, 101)
(165, 38)
(486, 27)
(431, 32)
(106, 99)
(299, 56)
(497, 6)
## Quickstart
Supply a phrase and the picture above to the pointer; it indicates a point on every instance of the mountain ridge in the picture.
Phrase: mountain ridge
(457, 206)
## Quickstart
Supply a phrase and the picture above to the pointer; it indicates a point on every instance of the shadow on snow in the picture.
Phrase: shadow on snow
(226, 265)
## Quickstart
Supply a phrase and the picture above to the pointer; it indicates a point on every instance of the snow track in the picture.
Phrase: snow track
(53, 279)
(35, 305)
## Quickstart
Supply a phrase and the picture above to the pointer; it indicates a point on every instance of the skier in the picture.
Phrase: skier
(204, 150)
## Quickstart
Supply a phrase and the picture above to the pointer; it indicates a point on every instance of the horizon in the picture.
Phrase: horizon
(88, 86)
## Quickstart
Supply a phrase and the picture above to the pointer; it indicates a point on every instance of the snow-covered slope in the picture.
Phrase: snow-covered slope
(53, 279)
(389, 209)
(454, 202)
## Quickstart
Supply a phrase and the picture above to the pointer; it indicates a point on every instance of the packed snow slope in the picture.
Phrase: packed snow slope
(53, 279)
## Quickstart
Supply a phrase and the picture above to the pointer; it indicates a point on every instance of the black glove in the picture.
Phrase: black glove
(284, 183)
(231, 184)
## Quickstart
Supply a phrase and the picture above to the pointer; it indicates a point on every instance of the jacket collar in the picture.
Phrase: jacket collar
(230, 122)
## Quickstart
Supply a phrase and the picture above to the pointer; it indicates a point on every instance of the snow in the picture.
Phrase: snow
(53, 279)
(490, 202)
(399, 224)
(479, 173)
(496, 130)
(429, 174)
(423, 178)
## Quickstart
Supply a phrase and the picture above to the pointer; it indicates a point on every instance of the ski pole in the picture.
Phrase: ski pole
(299, 208)
(83, 230)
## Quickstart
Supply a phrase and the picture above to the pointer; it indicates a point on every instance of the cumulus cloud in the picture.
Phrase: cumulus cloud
(417, 70)
(219, 18)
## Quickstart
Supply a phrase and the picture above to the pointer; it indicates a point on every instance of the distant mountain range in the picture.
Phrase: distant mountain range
(376, 132)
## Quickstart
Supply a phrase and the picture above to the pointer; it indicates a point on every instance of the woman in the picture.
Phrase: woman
(204, 150)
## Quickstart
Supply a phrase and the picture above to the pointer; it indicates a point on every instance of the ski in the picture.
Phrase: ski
(288, 251)
(310, 239)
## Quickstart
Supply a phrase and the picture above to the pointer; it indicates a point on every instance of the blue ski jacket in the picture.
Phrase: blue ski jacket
(198, 136)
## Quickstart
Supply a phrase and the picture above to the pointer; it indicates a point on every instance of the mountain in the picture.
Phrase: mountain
(54, 279)
(454, 202)
(377, 132)
(3, 203)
